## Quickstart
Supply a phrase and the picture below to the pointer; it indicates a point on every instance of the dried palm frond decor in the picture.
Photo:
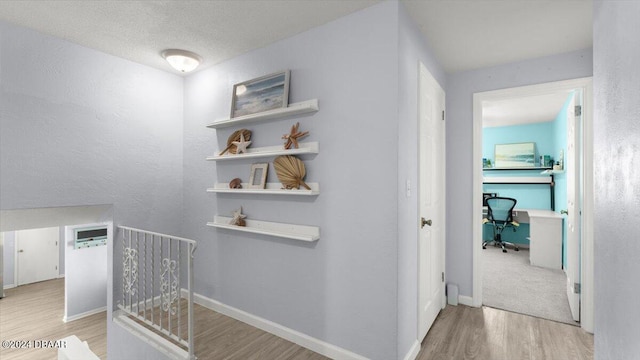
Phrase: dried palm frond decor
(293, 136)
(238, 140)
(290, 171)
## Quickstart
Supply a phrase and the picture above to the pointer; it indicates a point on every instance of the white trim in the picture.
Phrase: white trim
(586, 84)
(10, 286)
(60, 276)
(67, 319)
(465, 300)
(152, 339)
(413, 352)
(306, 341)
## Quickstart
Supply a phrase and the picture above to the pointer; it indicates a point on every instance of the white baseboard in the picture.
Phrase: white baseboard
(10, 286)
(84, 314)
(465, 300)
(60, 276)
(413, 352)
(306, 341)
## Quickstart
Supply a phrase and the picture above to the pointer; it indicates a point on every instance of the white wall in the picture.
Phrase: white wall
(79, 127)
(412, 48)
(460, 90)
(616, 75)
(85, 287)
(343, 288)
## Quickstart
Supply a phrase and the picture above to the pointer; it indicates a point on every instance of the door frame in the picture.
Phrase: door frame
(586, 250)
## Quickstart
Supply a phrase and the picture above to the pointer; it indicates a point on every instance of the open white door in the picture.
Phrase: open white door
(432, 205)
(37, 255)
(572, 168)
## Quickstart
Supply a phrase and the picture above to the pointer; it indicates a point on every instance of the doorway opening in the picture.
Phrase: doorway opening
(525, 184)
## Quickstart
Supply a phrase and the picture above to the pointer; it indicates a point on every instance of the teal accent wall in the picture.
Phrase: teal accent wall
(518, 237)
(539, 133)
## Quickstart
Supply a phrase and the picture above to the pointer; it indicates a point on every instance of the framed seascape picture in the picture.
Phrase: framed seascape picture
(264, 93)
(515, 155)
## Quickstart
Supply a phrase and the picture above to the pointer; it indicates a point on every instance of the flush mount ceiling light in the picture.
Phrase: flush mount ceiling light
(182, 60)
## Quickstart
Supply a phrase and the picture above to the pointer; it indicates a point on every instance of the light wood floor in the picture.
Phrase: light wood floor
(462, 332)
(35, 311)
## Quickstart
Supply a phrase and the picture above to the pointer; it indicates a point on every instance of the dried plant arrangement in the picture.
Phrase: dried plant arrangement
(238, 218)
(290, 171)
(293, 136)
(238, 141)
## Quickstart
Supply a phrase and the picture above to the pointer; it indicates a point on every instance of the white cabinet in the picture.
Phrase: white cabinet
(546, 241)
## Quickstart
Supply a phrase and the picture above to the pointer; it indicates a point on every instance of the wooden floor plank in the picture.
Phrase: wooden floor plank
(462, 332)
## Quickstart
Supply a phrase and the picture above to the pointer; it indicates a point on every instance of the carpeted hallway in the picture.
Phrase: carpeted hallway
(510, 283)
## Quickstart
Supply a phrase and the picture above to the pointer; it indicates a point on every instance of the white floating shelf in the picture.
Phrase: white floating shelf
(271, 189)
(305, 107)
(551, 172)
(517, 180)
(268, 151)
(288, 231)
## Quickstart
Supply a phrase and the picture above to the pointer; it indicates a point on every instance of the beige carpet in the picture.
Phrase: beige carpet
(510, 283)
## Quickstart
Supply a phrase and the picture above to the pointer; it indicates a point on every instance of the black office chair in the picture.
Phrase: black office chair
(500, 215)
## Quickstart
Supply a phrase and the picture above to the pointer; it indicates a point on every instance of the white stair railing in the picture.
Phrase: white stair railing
(152, 283)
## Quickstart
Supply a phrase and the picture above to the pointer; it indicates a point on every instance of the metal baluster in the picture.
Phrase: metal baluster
(153, 278)
(124, 239)
(144, 278)
(179, 288)
(161, 276)
(170, 283)
(130, 271)
(190, 285)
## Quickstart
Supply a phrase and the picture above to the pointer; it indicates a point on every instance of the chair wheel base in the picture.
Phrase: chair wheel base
(504, 250)
(516, 249)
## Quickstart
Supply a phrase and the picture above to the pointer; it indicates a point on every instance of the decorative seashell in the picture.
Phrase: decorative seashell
(240, 222)
(235, 184)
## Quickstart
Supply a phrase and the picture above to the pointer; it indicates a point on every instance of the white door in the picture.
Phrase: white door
(572, 168)
(431, 197)
(37, 254)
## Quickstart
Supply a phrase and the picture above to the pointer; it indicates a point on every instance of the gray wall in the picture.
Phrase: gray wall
(460, 90)
(412, 48)
(79, 127)
(343, 288)
(616, 75)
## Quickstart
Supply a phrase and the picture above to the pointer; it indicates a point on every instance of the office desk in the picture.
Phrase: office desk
(545, 236)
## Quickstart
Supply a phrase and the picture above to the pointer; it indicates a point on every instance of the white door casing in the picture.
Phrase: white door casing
(37, 255)
(586, 196)
(431, 298)
(572, 217)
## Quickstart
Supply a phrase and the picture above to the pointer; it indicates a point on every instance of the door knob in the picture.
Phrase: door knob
(424, 222)
(566, 212)
(20, 250)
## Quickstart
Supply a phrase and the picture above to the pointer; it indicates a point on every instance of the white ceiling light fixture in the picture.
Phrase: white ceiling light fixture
(182, 60)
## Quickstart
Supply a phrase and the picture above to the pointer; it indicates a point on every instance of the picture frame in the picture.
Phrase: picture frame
(258, 177)
(261, 94)
(518, 155)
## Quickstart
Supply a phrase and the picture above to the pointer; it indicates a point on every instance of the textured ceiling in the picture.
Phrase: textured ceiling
(140, 30)
(465, 34)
